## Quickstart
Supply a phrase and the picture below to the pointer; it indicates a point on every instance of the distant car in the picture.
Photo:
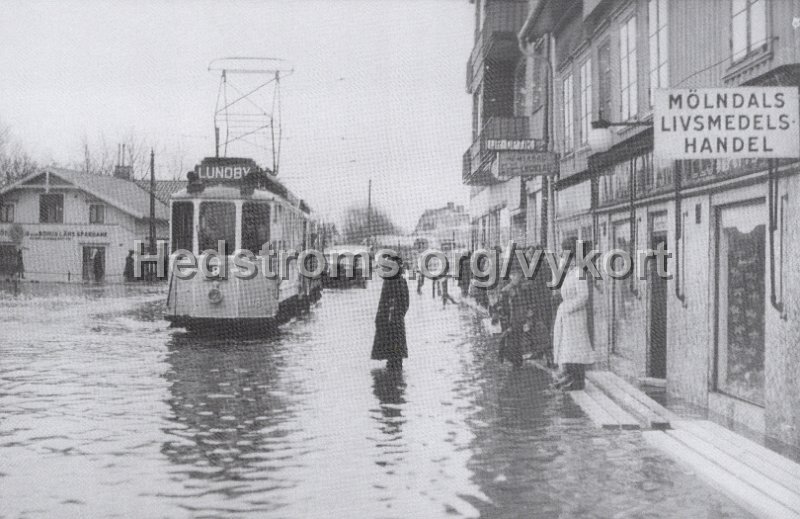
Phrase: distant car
(346, 266)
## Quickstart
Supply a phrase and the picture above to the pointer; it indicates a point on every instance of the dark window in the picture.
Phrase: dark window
(217, 223)
(6, 213)
(182, 225)
(604, 78)
(97, 213)
(255, 226)
(51, 208)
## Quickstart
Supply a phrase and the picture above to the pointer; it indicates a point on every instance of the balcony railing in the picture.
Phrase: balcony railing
(498, 36)
(512, 128)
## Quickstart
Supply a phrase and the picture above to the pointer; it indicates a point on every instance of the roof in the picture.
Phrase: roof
(164, 188)
(123, 194)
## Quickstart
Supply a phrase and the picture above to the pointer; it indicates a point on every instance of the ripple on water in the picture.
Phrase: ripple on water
(300, 423)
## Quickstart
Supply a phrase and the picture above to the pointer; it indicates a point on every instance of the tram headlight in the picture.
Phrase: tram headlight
(215, 296)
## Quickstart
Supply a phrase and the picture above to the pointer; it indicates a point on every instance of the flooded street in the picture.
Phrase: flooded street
(106, 412)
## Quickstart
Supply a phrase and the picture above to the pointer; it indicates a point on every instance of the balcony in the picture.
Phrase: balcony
(506, 133)
(497, 39)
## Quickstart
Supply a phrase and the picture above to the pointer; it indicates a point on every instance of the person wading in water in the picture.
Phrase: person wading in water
(390, 327)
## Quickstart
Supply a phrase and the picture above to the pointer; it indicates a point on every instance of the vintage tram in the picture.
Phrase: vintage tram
(232, 203)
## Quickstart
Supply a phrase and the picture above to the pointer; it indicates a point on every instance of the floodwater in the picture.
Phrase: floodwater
(106, 412)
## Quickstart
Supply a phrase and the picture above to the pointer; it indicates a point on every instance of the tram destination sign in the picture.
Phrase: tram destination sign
(733, 123)
(224, 169)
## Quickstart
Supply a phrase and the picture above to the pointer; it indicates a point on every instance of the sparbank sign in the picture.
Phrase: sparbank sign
(734, 123)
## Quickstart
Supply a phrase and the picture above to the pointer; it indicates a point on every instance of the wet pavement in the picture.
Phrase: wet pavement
(105, 411)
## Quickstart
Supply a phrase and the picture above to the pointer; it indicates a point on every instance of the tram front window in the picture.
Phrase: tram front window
(255, 226)
(217, 223)
(182, 225)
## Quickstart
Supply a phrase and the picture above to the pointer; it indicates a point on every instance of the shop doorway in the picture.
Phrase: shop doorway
(657, 350)
(8, 260)
(94, 264)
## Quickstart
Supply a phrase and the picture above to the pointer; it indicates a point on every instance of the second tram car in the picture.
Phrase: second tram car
(231, 202)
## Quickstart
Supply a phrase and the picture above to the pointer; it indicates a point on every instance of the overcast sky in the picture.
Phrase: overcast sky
(378, 87)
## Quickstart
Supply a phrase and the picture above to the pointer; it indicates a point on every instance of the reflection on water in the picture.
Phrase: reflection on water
(301, 423)
(389, 387)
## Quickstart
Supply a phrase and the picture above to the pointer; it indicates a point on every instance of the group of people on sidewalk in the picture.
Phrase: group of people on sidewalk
(522, 305)
(551, 324)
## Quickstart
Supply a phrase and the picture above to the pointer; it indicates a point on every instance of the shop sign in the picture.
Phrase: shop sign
(523, 164)
(732, 123)
(54, 234)
(515, 145)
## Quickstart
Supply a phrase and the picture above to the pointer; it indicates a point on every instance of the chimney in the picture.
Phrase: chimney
(450, 205)
(121, 170)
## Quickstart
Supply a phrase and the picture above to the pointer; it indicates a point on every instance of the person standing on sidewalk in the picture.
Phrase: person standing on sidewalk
(516, 298)
(572, 345)
(390, 328)
(541, 323)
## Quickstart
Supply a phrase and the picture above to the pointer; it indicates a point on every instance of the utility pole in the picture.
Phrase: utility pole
(152, 202)
(369, 213)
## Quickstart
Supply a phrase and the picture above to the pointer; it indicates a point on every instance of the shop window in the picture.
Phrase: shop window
(6, 213)
(182, 226)
(741, 255)
(627, 66)
(217, 223)
(51, 208)
(97, 213)
(255, 226)
(748, 28)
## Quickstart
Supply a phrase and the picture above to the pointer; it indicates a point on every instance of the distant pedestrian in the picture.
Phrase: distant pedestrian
(390, 329)
(464, 274)
(572, 345)
(446, 297)
(20, 268)
(128, 272)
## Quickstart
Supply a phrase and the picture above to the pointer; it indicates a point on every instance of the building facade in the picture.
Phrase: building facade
(448, 225)
(722, 332)
(74, 227)
(505, 167)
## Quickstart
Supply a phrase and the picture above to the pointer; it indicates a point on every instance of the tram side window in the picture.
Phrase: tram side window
(255, 226)
(182, 223)
(217, 222)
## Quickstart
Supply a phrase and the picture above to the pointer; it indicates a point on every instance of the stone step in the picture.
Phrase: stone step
(651, 413)
(603, 411)
(720, 478)
(757, 457)
(708, 448)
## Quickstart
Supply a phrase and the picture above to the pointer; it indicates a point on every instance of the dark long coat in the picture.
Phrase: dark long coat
(390, 327)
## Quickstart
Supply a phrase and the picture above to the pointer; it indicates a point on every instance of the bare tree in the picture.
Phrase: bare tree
(15, 162)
